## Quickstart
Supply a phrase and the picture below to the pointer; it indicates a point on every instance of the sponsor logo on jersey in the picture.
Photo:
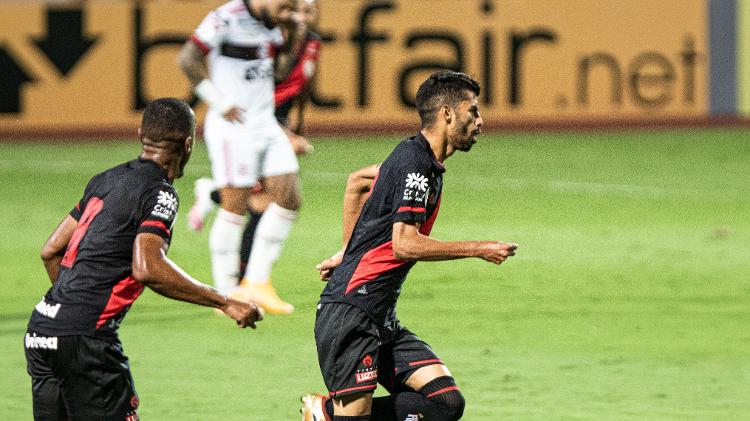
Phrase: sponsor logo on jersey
(413, 417)
(44, 342)
(166, 206)
(367, 361)
(47, 310)
(416, 180)
(367, 375)
(362, 290)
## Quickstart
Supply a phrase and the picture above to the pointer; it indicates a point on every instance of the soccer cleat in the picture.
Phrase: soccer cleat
(312, 407)
(264, 295)
(202, 205)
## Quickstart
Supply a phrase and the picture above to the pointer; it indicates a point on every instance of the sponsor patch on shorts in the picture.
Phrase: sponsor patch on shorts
(366, 376)
(41, 342)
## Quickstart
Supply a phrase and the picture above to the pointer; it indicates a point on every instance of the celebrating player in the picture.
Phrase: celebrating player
(295, 71)
(244, 139)
(359, 339)
(100, 257)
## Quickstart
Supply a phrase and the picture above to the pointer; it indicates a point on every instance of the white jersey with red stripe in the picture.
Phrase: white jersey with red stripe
(241, 49)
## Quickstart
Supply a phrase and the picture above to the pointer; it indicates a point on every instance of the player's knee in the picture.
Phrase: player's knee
(291, 201)
(446, 396)
(455, 406)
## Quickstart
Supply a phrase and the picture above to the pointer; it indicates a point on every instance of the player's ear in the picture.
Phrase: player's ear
(446, 113)
(188, 145)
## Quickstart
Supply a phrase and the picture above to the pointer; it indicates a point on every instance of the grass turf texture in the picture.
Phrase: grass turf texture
(628, 299)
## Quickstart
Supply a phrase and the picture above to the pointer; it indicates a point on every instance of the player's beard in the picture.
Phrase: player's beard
(465, 136)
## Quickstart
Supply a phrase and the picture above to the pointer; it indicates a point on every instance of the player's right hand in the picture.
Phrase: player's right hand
(244, 313)
(326, 266)
(235, 115)
(496, 251)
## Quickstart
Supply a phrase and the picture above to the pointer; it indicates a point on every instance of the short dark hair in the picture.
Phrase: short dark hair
(444, 87)
(169, 119)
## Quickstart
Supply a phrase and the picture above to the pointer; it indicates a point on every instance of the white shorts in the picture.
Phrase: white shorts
(241, 155)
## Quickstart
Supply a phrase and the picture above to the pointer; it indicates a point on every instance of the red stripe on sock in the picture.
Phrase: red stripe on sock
(447, 389)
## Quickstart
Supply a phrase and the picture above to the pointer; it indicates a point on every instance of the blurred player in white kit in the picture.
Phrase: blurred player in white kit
(230, 63)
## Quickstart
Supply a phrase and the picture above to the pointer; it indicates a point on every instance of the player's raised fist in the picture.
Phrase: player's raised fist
(496, 251)
(246, 314)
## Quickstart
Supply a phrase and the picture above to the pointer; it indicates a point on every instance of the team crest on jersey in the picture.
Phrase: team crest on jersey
(166, 205)
(416, 180)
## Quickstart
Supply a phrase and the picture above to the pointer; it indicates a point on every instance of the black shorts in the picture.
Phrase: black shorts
(354, 356)
(79, 378)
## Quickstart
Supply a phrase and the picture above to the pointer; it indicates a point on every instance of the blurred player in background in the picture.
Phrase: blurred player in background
(359, 338)
(239, 41)
(295, 70)
(99, 258)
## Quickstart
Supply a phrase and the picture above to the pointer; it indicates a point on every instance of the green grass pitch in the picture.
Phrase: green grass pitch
(628, 300)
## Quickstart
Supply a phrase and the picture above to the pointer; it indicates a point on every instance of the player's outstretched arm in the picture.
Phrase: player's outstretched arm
(153, 268)
(54, 248)
(409, 244)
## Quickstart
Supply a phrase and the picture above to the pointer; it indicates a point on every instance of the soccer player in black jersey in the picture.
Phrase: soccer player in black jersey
(359, 339)
(112, 244)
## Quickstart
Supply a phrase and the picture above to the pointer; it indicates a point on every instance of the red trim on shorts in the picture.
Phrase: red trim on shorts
(411, 209)
(157, 224)
(423, 362)
(368, 387)
(443, 390)
(123, 294)
(373, 264)
(200, 44)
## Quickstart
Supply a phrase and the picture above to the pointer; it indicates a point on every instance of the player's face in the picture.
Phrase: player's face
(280, 11)
(307, 12)
(462, 134)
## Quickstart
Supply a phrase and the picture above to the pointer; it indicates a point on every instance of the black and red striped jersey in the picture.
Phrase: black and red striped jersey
(407, 189)
(289, 90)
(95, 287)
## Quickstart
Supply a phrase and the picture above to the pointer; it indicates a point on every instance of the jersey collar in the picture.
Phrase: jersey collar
(153, 164)
(439, 166)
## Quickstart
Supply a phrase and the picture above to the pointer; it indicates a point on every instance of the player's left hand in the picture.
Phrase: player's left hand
(300, 144)
(326, 266)
(244, 313)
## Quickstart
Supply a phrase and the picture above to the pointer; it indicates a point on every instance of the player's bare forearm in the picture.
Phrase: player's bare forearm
(153, 268)
(192, 62)
(358, 185)
(409, 244)
(286, 59)
(54, 248)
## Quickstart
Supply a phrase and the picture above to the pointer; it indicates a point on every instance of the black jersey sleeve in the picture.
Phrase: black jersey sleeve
(77, 210)
(412, 189)
(159, 210)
